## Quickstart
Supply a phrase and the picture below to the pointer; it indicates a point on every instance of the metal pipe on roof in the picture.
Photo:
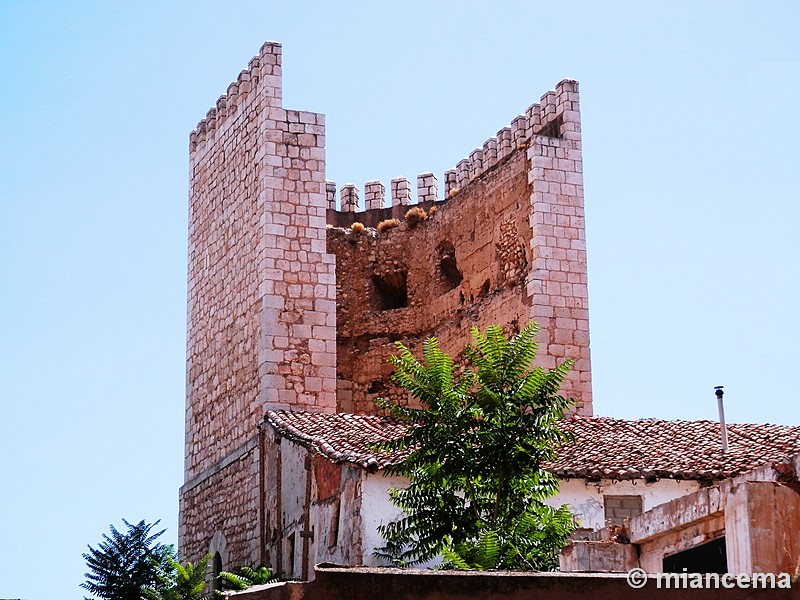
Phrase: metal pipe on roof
(721, 408)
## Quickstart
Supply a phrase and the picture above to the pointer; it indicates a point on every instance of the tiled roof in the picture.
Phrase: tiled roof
(342, 437)
(604, 447)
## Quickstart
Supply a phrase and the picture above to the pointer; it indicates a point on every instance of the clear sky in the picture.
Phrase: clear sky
(690, 127)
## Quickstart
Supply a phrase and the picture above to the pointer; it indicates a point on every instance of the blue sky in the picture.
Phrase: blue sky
(692, 209)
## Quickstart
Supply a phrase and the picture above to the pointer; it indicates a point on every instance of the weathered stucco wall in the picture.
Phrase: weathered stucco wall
(586, 498)
(313, 509)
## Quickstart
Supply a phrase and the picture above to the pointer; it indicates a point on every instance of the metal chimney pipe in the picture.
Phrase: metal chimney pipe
(721, 407)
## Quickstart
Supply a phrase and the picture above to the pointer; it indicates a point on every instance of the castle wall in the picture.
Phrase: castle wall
(223, 505)
(464, 265)
(506, 246)
(276, 302)
(261, 293)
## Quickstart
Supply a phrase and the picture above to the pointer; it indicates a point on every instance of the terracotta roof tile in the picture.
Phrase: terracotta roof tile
(342, 437)
(604, 447)
(651, 448)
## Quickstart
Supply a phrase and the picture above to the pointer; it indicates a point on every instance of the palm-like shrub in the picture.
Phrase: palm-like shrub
(476, 484)
(123, 565)
(181, 581)
(246, 577)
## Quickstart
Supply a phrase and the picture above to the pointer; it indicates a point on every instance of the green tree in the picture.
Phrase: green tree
(245, 577)
(123, 565)
(176, 581)
(475, 452)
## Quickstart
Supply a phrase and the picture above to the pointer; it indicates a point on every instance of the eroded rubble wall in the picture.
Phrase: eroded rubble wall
(507, 245)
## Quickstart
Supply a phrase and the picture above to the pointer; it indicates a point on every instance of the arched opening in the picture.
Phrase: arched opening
(392, 290)
(216, 569)
(448, 266)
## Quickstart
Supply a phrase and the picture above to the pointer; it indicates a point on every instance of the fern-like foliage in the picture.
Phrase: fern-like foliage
(178, 581)
(124, 564)
(245, 577)
(476, 484)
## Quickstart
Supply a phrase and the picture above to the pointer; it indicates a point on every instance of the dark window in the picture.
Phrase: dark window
(392, 290)
(706, 558)
(216, 584)
(448, 266)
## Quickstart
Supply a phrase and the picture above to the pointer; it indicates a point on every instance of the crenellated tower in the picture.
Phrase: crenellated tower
(261, 325)
(505, 244)
(290, 307)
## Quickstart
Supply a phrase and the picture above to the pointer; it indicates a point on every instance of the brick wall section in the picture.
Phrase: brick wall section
(261, 290)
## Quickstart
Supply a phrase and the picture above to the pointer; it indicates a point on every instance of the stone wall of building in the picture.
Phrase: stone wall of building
(505, 246)
(261, 290)
(276, 300)
(219, 512)
(462, 266)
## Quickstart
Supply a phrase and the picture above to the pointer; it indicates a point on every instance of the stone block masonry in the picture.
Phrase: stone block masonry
(290, 308)
(261, 294)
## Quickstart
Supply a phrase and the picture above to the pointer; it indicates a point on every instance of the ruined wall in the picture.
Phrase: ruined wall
(261, 294)
(507, 246)
(762, 522)
(758, 512)
(462, 266)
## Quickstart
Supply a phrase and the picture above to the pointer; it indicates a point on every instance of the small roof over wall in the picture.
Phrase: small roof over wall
(603, 447)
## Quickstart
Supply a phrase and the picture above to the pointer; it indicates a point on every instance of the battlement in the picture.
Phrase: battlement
(263, 68)
(284, 313)
(556, 115)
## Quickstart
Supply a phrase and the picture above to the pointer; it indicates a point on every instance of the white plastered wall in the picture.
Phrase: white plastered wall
(585, 499)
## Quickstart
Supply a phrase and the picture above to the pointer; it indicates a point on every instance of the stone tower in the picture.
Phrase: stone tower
(261, 328)
(289, 307)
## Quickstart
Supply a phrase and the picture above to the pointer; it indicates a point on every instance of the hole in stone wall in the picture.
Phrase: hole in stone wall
(448, 265)
(553, 128)
(376, 387)
(485, 288)
(392, 290)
